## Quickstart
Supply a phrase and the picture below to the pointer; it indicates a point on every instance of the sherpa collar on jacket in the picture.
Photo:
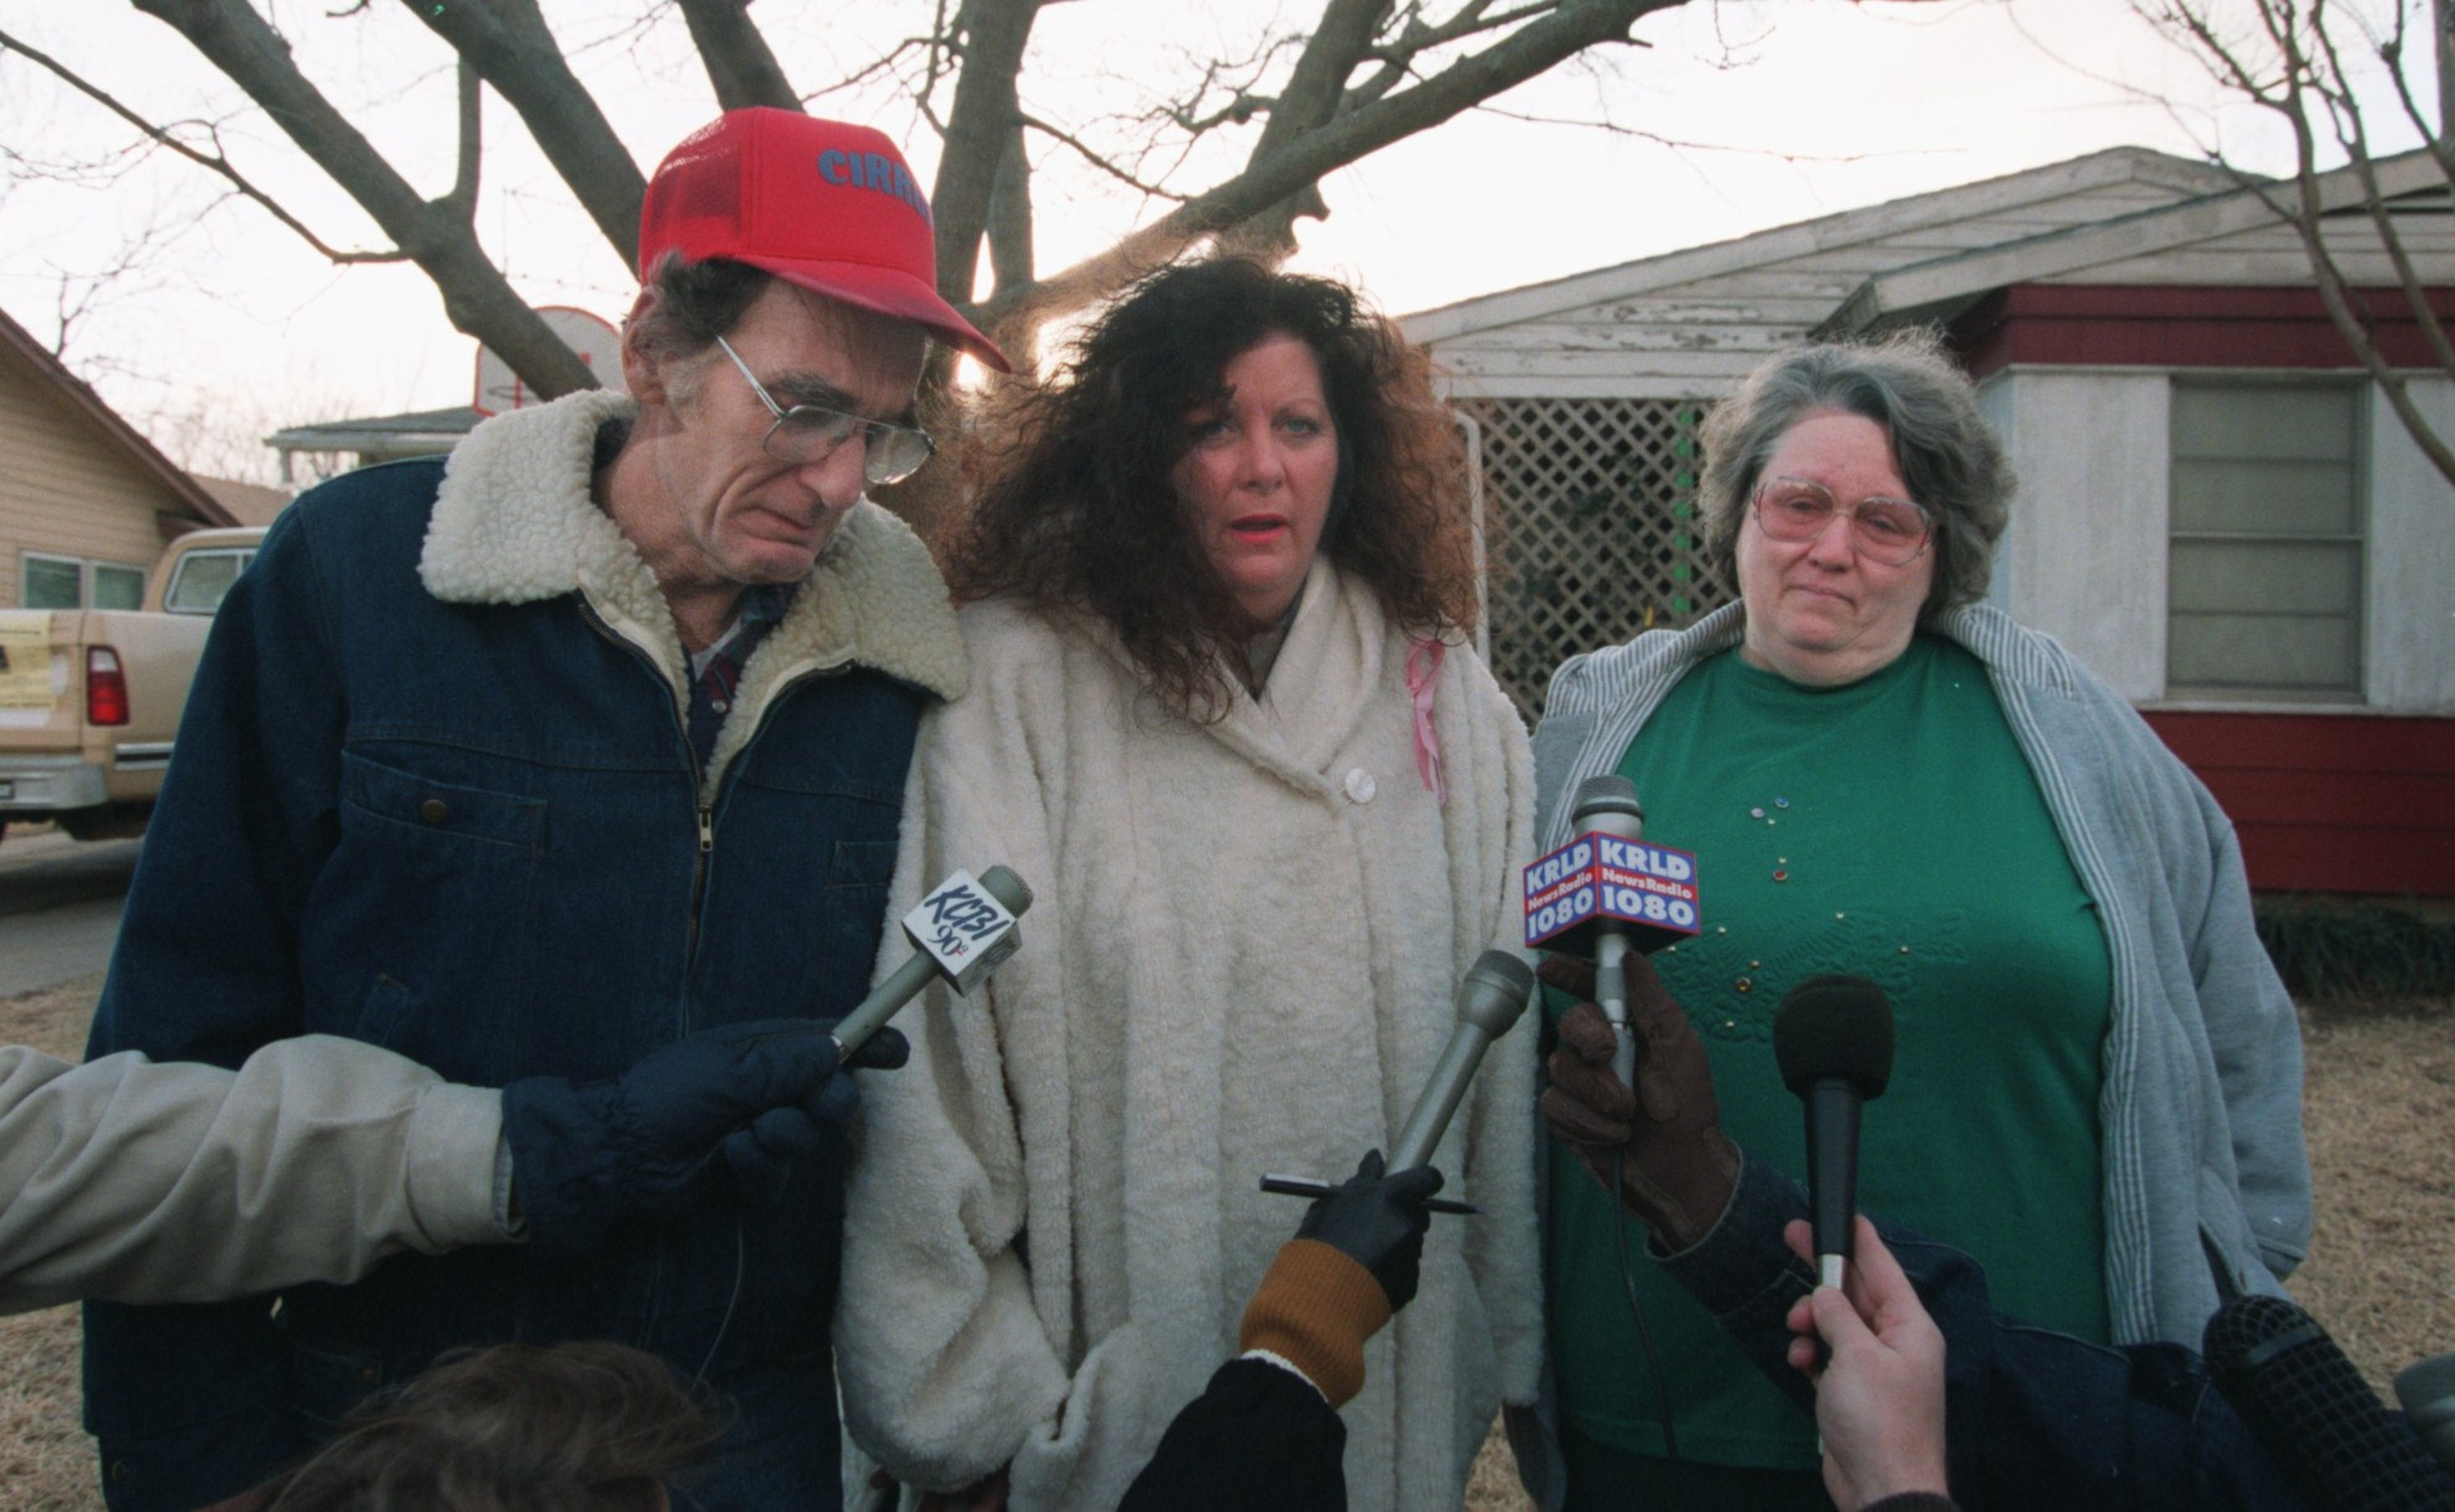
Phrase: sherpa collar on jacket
(514, 523)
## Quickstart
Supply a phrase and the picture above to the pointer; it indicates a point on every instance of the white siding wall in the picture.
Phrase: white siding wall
(2409, 662)
(2084, 561)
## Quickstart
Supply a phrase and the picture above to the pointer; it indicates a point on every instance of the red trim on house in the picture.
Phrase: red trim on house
(2330, 804)
(2125, 324)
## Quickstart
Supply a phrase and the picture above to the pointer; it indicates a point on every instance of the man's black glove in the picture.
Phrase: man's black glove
(646, 1145)
(1378, 1221)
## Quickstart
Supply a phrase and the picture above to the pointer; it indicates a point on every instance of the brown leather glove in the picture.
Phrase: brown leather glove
(1677, 1169)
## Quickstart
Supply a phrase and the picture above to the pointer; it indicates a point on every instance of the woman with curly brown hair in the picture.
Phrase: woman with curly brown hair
(1222, 716)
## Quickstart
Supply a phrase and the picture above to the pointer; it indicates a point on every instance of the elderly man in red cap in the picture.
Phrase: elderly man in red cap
(528, 764)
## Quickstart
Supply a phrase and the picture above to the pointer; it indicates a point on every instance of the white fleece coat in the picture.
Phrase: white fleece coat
(1243, 958)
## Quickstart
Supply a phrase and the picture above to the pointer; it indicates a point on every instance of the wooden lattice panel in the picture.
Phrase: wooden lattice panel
(1592, 504)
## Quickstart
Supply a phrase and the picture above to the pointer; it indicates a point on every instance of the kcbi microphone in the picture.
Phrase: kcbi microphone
(963, 930)
(1607, 892)
(1833, 1039)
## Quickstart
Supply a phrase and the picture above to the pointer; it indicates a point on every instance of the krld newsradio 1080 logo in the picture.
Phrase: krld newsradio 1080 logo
(1595, 877)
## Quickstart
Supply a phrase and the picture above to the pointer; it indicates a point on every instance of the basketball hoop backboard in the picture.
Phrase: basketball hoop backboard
(599, 345)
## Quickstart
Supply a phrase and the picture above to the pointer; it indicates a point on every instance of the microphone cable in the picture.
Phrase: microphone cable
(1636, 1312)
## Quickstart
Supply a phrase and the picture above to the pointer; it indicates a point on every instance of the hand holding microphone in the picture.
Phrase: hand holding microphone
(1490, 1000)
(961, 930)
(1676, 1168)
(743, 1104)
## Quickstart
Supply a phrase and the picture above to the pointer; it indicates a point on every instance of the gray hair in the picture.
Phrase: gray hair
(1945, 450)
(692, 305)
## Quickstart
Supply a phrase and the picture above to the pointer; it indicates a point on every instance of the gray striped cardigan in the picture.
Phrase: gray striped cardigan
(2200, 1113)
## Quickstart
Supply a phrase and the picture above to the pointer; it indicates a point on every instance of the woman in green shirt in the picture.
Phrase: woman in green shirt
(2096, 1091)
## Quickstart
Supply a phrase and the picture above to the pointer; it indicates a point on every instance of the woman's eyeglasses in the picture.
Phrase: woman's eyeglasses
(1890, 531)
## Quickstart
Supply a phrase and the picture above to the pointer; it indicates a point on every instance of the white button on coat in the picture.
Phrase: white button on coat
(1360, 785)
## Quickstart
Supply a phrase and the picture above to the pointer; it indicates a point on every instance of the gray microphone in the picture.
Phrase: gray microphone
(1607, 805)
(1490, 998)
(2426, 1390)
(958, 934)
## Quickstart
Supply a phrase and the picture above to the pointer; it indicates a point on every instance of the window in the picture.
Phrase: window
(2264, 575)
(53, 582)
(65, 582)
(201, 578)
(117, 586)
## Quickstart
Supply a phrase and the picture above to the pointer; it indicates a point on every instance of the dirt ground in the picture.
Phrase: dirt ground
(2380, 1277)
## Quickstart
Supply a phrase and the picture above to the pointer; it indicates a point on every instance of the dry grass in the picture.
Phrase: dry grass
(2381, 1277)
(2375, 1102)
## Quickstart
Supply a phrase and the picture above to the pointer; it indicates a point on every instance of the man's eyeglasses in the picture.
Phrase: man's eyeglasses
(1892, 531)
(810, 433)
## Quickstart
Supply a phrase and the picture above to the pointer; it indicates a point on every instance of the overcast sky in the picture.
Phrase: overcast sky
(1738, 115)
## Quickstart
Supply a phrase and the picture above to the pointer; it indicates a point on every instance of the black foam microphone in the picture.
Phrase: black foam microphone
(2337, 1446)
(1833, 1039)
(2426, 1390)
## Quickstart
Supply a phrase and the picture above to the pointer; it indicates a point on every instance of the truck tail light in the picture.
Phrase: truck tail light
(106, 687)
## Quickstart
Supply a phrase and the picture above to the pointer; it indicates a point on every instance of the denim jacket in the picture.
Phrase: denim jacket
(433, 791)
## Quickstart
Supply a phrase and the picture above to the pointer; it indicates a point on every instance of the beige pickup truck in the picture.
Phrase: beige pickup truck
(90, 698)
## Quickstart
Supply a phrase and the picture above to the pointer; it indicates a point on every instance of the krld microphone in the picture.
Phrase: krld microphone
(1490, 998)
(963, 930)
(1607, 892)
(2336, 1445)
(2426, 1390)
(1833, 1039)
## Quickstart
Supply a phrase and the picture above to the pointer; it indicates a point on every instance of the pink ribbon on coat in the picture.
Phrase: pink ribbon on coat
(1423, 672)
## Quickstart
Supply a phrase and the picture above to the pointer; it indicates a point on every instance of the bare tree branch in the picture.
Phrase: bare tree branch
(1309, 102)
(886, 64)
(1091, 155)
(476, 296)
(738, 61)
(2307, 66)
(986, 115)
(215, 160)
(1575, 25)
(507, 42)
(462, 202)
(1010, 255)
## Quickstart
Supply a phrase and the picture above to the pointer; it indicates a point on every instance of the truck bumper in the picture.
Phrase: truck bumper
(48, 784)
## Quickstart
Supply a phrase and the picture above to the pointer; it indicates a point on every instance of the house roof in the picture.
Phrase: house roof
(249, 503)
(412, 433)
(117, 431)
(2010, 193)
(1692, 324)
(1955, 279)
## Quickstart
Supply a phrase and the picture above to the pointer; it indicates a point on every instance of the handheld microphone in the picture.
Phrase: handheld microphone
(963, 930)
(2426, 1390)
(1833, 1039)
(1607, 892)
(2337, 1446)
(1490, 998)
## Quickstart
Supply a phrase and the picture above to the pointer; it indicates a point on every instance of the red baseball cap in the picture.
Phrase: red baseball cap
(830, 207)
